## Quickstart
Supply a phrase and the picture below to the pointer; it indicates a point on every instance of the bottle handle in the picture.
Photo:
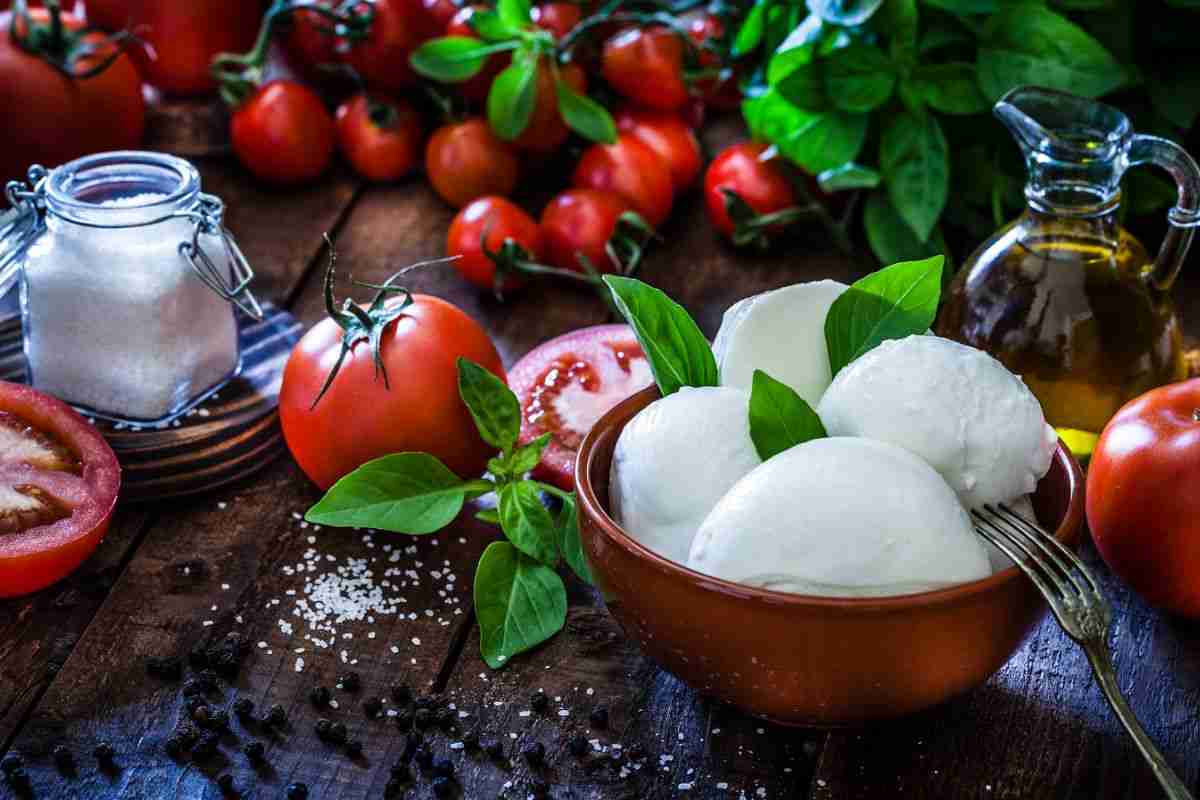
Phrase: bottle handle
(1184, 217)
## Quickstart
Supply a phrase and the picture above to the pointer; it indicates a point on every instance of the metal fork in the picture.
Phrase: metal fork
(1074, 597)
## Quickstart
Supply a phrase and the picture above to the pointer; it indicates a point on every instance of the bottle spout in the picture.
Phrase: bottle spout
(1062, 126)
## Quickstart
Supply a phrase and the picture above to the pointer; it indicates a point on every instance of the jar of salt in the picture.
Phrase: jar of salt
(128, 282)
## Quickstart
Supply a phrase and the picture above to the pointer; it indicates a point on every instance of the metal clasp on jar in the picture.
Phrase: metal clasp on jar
(208, 220)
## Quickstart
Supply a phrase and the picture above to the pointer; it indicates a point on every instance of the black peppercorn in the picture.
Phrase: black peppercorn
(186, 733)
(199, 712)
(471, 741)
(354, 748)
(225, 784)
(209, 680)
(243, 707)
(578, 745)
(338, 733)
(404, 720)
(64, 759)
(443, 767)
(276, 716)
(534, 753)
(447, 720)
(323, 728)
(297, 791)
(255, 751)
(218, 719)
(319, 696)
(442, 788)
(373, 707)
(349, 682)
(198, 657)
(206, 747)
(426, 701)
(174, 746)
(423, 718)
(402, 694)
(10, 763)
(539, 702)
(495, 749)
(193, 688)
(104, 753)
(599, 717)
(424, 757)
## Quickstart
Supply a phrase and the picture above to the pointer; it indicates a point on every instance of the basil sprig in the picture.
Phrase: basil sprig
(780, 419)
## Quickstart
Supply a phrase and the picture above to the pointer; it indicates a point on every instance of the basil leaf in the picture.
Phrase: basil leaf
(1027, 43)
(527, 457)
(569, 542)
(527, 522)
(780, 419)
(410, 493)
(514, 13)
(490, 26)
(512, 96)
(965, 7)
(1175, 93)
(859, 78)
(519, 603)
(678, 353)
(848, 176)
(916, 165)
(750, 35)
(584, 115)
(950, 88)
(804, 87)
(844, 12)
(890, 237)
(824, 140)
(943, 34)
(770, 117)
(492, 404)
(488, 515)
(898, 20)
(450, 59)
(897, 301)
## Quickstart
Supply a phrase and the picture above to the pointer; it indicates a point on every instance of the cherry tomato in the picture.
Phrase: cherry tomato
(646, 66)
(721, 93)
(465, 161)
(671, 140)
(380, 137)
(490, 222)
(476, 88)
(558, 18)
(632, 170)
(546, 131)
(382, 58)
(740, 168)
(283, 134)
(310, 40)
(581, 222)
(1143, 496)
(59, 481)
(433, 16)
(49, 118)
(566, 385)
(361, 418)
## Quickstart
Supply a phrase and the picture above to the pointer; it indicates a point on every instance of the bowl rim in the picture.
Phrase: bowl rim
(598, 513)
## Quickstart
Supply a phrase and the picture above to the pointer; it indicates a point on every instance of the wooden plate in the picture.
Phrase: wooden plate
(231, 435)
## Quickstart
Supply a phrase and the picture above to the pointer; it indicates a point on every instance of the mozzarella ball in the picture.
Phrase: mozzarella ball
(841, 517)
(675, 460)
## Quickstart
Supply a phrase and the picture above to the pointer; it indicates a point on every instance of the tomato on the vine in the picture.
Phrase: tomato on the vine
(546, 130)
(669, 137)
(646, 66)
(487, 224)
(741, 169)
(465, 160)
(382, 58)
(59, 481)
(580, 222)
(559, 18)
(476, 87)
(380, 137)
(283, 133)
(310, 40)
(632, 170)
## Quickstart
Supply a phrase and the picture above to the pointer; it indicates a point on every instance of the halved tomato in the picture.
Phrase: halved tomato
(59, 481)
(568, 383)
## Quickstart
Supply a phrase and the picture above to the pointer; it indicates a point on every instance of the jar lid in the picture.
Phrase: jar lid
(19, 226)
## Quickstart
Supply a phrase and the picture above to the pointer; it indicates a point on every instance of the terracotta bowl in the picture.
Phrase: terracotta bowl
(803, 660)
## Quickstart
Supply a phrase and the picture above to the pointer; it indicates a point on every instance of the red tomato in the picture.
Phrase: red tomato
(283, 134)
(720, 93)
(547, 131)
(488, 223)
(558, 18)
(179, 39)
(632, 170)
(432, 17)
(646, 66)
(310, 40)
(476, 88)
(671, 140)
(382, 58)
(1143, 496)
(381, 138)
(740, 168)
(48, 118)
(465, 161)
(361, 418)
(580, 222)
(567, 384)
(59, 481)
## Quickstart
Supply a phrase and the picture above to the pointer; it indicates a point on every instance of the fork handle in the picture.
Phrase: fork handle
(1106, 676)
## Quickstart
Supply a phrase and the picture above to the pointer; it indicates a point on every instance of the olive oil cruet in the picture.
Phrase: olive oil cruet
(1063, 295)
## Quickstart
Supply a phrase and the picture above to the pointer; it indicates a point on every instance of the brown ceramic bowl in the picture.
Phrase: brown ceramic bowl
(803, 660)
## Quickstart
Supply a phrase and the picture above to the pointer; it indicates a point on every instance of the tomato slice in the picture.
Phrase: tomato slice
(59, 482)
(568, 383)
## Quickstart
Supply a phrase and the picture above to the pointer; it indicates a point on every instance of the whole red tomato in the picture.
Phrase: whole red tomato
(720, 92)
(310, 40)
(382, 58)
(179, 39)
(488, 223)
(363, 417)
(380, 137)
(670, 138)
(740, 168)
(546, 131)
(646, 66)
(580, 222)
(49, 118)
(632, 170)
(476, 88)
(558, 18)
(283, 134)
(1143, 496)
(465, 160)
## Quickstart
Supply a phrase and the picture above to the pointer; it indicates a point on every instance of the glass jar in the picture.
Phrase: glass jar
(128, 282)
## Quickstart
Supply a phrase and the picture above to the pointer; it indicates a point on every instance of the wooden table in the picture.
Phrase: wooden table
(171, 576)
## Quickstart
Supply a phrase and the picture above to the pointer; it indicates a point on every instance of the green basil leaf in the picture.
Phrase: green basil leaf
(493, 406)
(848, 176)
(512, 96)
(678, 353)
(1175, 93)
(488, 515)
(950, 88)
(584, 115)
(898, 20)
(410, 493)
(490, 26)
(965, 7)
(770, 117)
(450, 59)
(780, 419)
(527, 457)
(519, 603)
(514, 13)
(750, 35)
(804, 87)
(824, 140)
(1027, 43)
(890, 237)
(894, 302)
(859, 78)
(569, 543)
(527, 522)
(943, 34)
(916, 166)
(844, 12)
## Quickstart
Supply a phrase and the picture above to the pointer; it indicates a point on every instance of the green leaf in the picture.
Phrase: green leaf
(890, 237)
(1144, 192)
(678, 353)
(965, 7)
(493, 406)
(916, 167)
(569, 542)
(848, 176)
(780, 419)
(897, 301)
(527, 457)
(1027, 43)
(527, 522)
(490, 26)
(943, 34)
(950, 88)
(410, 493)
(514, 13)
(844, 12)
(519, 603)
(512, 96)
(488, 515)
(898, 20)
(859, 78)
(584, 115)
(825, 140)
(450, 59)
(1175, 93)
(804, 87)
(750, 34)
